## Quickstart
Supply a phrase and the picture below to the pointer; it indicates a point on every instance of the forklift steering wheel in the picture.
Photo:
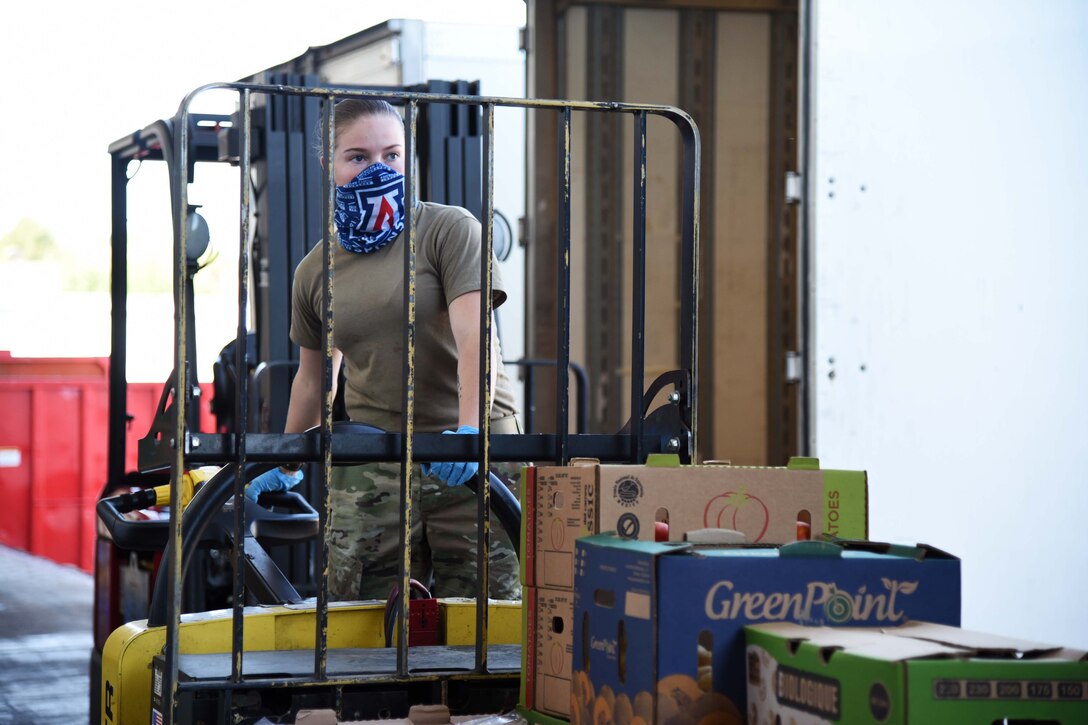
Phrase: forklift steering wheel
(286, 517)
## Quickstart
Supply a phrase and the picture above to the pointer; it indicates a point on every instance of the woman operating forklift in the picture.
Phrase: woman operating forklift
(364, 538)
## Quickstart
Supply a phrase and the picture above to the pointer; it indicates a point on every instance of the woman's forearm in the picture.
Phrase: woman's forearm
(465, 321)
(305, 404)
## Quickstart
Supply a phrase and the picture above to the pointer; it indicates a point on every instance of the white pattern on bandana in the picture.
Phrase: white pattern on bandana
(370, 209)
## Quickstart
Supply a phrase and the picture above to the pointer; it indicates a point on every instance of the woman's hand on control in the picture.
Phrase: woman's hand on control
(458, 473)
(275, 480)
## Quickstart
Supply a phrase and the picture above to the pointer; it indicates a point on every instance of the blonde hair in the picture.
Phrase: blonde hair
(349, 110)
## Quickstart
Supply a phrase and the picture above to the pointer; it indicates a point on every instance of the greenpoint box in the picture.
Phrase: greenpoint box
(659, 627)
(918, 672)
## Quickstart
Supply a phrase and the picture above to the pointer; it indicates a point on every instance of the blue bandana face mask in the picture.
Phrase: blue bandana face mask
(370, 209)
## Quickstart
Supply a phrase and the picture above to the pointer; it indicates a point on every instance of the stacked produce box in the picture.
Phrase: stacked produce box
(713, 594)
(661, 501)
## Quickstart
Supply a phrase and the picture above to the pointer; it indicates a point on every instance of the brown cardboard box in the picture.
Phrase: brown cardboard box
(564, 503)
(546, 654)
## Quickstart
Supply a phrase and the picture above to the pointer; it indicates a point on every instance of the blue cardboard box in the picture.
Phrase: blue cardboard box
(659, 627)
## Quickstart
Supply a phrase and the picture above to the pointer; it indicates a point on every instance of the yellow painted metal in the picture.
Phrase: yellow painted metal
(127, 656)
(189, 483)
(457, 621)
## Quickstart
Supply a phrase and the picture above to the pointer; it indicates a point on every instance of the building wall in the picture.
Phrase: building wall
(949, 300)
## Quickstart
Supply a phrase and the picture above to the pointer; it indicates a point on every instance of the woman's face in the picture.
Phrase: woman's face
(368, 140)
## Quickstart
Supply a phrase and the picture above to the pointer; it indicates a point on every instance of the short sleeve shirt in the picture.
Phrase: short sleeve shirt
(368, 319)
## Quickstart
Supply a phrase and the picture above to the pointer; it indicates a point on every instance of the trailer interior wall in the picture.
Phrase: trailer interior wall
(492, 54)
(731, 65)
(950, 253)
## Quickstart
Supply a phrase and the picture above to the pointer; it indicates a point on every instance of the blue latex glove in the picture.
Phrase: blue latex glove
(274, 480)
(454, 474)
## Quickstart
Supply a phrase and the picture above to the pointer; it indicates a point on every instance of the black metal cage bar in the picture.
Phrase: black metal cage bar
(241, 401)
(562, 297)
(483, 491)
(408, 383)
(322, 618)
(638, 283)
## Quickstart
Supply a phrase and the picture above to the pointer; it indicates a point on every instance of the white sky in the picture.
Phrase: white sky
(84, 75)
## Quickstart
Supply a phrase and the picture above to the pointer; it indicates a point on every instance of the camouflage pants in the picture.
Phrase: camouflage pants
(364, 535)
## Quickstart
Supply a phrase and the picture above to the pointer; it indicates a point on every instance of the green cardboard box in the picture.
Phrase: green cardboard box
(917, 672)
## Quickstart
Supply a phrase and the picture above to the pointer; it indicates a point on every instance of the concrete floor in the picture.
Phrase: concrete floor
(45, 640)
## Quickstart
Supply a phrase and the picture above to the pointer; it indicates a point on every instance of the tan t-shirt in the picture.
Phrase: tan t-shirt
(368, 315)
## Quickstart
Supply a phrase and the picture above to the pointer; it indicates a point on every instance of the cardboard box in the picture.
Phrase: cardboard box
(534, 717)
(565, 503)
(547, 649)
(915, 673)
(660, 626)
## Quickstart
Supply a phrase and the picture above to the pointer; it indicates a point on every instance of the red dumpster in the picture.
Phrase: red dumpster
(54, 428)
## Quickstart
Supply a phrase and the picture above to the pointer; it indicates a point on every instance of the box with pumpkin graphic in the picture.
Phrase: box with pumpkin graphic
(765, 504)
(659, 627)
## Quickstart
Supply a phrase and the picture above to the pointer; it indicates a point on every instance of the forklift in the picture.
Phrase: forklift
(272, 647)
